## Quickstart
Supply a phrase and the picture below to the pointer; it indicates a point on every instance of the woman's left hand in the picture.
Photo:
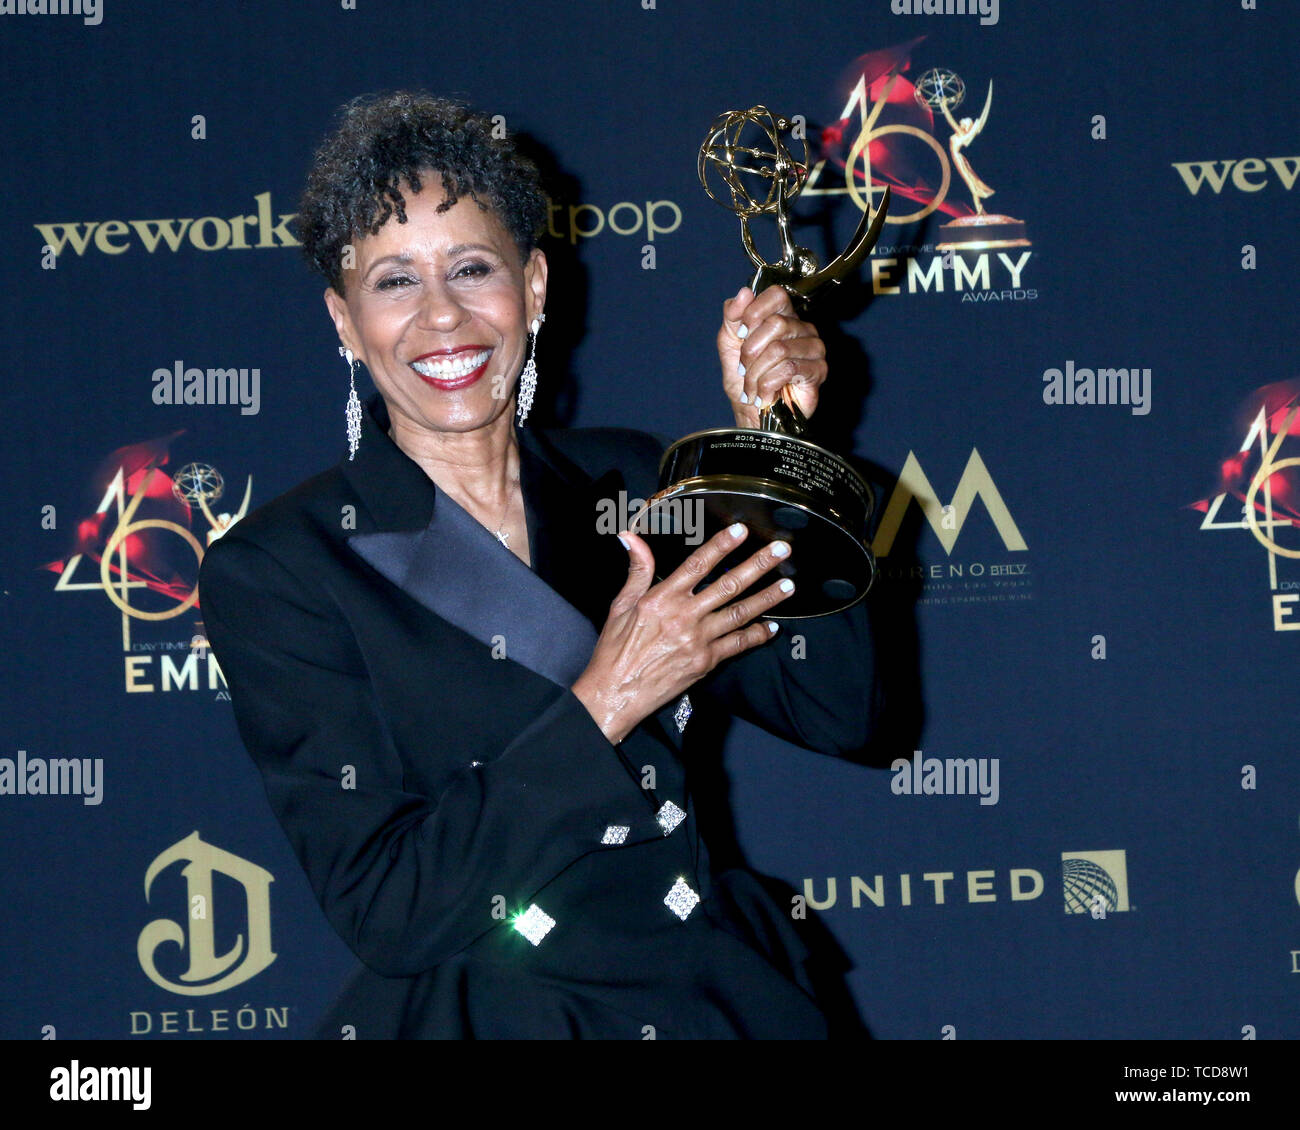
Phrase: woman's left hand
(764, 346)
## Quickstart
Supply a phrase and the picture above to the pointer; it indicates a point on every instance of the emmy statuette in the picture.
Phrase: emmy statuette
(778, 484)
(944, 90)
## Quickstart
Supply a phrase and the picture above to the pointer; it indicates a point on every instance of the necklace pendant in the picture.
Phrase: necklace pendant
(503, 538)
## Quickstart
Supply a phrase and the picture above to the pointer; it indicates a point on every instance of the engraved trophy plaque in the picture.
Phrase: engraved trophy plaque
(778, 484)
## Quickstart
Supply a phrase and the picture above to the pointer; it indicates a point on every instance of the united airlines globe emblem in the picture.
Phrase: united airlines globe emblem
(1084, 881)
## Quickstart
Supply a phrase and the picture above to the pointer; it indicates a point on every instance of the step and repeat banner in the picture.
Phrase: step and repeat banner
(1069, 368)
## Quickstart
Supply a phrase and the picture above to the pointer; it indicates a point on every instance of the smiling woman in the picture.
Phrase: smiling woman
(474, 742)
(438, 309)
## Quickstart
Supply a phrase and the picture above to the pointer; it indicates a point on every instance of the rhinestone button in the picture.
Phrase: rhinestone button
(615, 834)
(534, 923)
(669, 816)
(682, 714)
(681, 900)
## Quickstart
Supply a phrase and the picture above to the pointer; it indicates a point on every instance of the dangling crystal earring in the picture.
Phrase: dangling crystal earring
(353, 411)
(528, 378)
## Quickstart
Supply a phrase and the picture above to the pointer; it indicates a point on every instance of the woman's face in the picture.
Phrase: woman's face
(438, 309)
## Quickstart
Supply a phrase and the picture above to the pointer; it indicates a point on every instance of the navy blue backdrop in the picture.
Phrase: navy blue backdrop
(1075, 596)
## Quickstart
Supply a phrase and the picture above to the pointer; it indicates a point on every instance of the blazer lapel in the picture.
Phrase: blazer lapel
(459, 571)
(548, 616)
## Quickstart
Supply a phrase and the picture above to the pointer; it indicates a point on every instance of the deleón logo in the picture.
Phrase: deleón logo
(1267, 487)
(962, 581)
(886, 135)
(139, 548)
(209, 873)
(208, 972)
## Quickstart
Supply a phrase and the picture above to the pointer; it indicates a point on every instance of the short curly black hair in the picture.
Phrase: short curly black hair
(382, 140)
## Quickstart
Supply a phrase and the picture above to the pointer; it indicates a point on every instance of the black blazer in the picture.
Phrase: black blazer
(402, 682)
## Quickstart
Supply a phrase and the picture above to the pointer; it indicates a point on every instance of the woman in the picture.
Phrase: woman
(466, 704)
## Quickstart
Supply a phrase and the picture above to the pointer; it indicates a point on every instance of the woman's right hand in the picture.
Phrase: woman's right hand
(661, 638)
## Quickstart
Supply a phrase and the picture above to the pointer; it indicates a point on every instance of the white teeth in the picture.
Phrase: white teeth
(449, 370)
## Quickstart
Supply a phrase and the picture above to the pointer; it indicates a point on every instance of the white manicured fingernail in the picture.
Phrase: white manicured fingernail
(744, 399)
(758, 402)
(787, 585)
(743, 332)
(771, 627)
(736, 530)
(626, 544)
(740, 368)
(779, 549)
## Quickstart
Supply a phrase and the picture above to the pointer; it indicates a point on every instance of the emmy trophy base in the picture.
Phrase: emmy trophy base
(781, 487)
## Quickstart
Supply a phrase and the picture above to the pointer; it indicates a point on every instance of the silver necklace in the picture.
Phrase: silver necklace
(501, 533)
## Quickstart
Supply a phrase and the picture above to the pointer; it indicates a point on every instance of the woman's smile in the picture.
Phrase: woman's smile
(450, 369)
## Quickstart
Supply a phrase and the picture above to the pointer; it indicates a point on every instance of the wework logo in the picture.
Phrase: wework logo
(208, 233)
(1248, 175)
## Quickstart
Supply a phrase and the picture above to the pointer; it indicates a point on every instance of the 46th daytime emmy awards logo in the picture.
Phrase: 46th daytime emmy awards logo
(140, 550)
(212, 878)
(889, 136)
(1263, 480)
